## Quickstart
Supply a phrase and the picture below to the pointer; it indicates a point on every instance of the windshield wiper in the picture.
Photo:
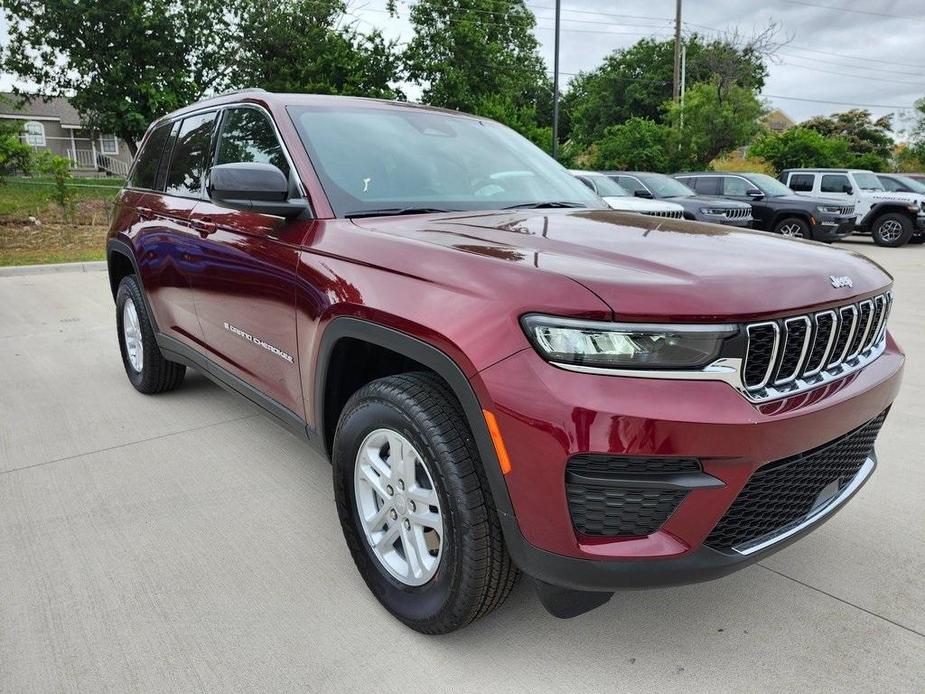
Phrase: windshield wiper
(395, 211)
(551, 204)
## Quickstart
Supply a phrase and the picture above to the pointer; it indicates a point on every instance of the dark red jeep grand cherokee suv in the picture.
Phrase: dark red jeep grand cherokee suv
(506, 375)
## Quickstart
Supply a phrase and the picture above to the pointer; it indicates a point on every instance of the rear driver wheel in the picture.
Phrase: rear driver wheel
(892, 230)
(415, 507)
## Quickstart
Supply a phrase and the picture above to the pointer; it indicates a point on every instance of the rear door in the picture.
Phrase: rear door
(245, 284)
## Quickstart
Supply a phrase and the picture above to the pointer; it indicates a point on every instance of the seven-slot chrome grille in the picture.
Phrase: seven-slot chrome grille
(736, 212)
(671, 214)
(800, 352)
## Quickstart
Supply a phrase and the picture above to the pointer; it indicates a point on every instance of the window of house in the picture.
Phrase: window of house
(802, 183)
(247, 135)
(835, 184)
(35, 133)
(109, 144)
(184, 177)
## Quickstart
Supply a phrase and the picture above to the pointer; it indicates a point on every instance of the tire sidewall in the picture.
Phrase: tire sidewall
(412, 604)
(902, 240)
(793, 220)
(128, 289)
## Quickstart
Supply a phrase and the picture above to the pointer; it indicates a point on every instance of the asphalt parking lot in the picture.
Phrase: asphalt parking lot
(184, 542)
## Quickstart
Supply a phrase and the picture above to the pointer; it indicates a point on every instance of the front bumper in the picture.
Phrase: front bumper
(548, 415)
(833, 228)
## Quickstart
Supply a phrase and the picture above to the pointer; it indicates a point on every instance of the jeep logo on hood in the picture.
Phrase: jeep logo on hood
(841, 281)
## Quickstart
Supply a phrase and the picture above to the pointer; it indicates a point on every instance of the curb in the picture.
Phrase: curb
(18, 270)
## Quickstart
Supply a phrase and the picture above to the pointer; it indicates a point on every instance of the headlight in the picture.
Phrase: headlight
(829, 209)
(717, 211)
(625, 345)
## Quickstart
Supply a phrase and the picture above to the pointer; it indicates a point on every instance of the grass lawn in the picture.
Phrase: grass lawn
(59, 238)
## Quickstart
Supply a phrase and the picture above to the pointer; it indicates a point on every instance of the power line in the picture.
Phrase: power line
(873, 78)
(841, 8)
(855, 67)
(835, 103)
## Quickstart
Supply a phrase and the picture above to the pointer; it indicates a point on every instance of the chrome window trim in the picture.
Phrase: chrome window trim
(774, 352)
(806, 339)
(828, 348)
(812, 517)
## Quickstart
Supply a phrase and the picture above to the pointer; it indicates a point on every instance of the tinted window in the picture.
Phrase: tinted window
(247, 135)
(834, 184)
(733, 185)
(896, 185)
(802, 183)
(708, 185)
(144, 174)
(184, 177)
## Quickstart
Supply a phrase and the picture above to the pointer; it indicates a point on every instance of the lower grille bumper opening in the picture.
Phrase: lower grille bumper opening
(784, 493)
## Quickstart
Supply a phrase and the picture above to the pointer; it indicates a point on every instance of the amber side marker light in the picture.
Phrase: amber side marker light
(495, 432)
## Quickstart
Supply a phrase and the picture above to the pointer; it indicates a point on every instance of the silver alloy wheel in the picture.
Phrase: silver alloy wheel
(398, 507)
(792, 230)
(131, 333)
(891, 230)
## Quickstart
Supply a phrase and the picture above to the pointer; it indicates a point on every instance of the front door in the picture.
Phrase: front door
(246, 282)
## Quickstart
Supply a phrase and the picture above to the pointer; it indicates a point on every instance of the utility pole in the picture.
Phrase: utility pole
(676, 85)
(555, 87)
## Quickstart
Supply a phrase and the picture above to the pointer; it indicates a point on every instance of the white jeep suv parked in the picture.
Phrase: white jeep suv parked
(894, 219)
(620, 198)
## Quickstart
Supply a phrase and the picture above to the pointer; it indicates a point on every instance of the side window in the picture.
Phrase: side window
(631, 184)
(144, 173)
(832, 183)
(733, 185)
(247, 135)
(707, 185)
(587, 182)
(892, 185)
(802, 183)
(187, 164)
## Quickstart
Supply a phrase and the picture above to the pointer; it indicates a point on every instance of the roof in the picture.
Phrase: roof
(824, 170)
(57, 107)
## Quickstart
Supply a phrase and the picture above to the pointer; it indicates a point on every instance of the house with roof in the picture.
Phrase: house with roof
(54, 125)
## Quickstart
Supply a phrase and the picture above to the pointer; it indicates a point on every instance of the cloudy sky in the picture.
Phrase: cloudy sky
(865, 52)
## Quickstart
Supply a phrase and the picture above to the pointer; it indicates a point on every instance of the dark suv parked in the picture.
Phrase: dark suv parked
(703, 208)
(506, 375)
(775, 207)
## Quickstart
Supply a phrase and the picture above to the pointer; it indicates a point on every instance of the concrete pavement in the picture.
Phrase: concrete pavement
(186, 543)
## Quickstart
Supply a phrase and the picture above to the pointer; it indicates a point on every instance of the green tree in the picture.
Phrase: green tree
(799, 148)
(126, 62)
(302, 46)
(15, 155)
(637, 81)
(481, 57)
(713, 121)
(639, 144)
(870, 140)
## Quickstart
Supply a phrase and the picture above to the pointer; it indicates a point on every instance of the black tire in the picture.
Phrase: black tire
(793, 227)
(157, 375)
(475, 573)
(892, 230)
(917, 239)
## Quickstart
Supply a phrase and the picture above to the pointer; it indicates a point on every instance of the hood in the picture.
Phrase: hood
(709, 201)
(634, 204)
(649, 267)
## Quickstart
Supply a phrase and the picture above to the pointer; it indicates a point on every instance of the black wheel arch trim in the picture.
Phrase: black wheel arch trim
(116, 246)
(444, 366)
(886, 207)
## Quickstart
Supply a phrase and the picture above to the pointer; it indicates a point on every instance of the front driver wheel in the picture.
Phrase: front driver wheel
(414, 505)
(793, 227)
(892, 230)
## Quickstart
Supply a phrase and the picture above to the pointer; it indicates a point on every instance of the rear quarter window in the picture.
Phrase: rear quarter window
(144, 173)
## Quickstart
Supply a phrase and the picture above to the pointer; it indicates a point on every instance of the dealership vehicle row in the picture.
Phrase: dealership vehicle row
(819, 204)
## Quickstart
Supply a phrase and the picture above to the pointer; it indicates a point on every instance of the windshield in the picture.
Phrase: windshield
(911, 184)
(769, 186)
(867, 181)
(399, 159)
(607, 187)
(663, 186)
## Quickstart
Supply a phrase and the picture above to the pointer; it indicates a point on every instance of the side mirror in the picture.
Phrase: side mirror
(254, 186)
(848, 190)
(643, 194)
(754, 194)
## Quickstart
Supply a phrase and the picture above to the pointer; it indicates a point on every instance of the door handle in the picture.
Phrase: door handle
(204, 226)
